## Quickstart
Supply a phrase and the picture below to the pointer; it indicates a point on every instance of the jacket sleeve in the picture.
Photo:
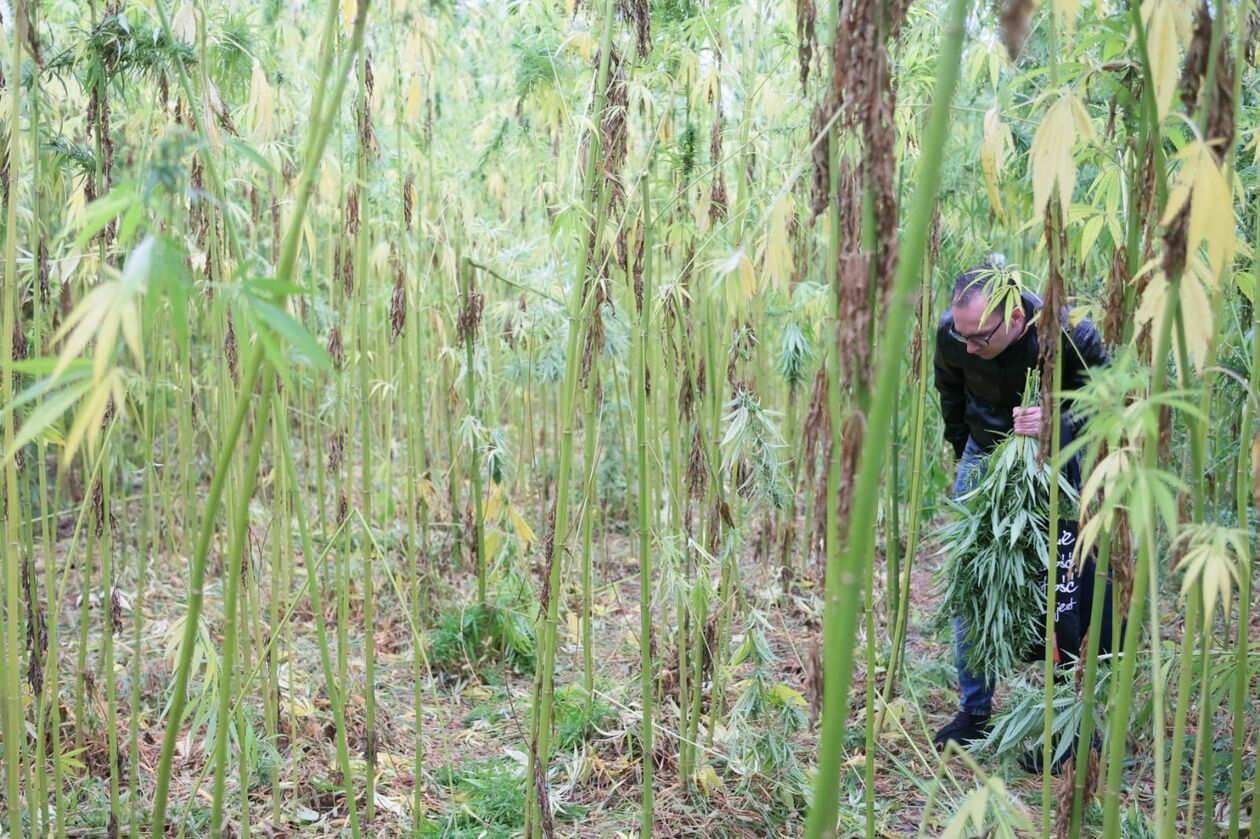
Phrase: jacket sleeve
(949, 384)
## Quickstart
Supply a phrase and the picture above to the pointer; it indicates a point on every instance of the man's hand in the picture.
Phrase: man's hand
(1027, 421)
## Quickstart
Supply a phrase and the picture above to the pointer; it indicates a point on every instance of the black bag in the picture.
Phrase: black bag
(1074, 597)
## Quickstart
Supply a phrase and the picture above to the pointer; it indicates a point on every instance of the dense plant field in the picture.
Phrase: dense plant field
(457, 418)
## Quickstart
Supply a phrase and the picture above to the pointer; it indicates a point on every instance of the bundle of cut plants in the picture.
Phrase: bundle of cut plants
(997, 550)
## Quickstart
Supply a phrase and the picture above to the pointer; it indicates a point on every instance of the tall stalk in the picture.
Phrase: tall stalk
(646, 506)
(843, 574)
(1119, 724)
(237, 544)
(468, 328)
(540, 753)
(317, 139)
(14, 727)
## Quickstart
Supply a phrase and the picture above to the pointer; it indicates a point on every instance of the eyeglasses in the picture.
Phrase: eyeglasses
(978, 340)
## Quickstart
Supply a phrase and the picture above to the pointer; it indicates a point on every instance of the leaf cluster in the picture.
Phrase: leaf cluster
(997, 550)
(751, 446)
(465, 637)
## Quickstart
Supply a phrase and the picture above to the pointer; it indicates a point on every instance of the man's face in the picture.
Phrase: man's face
(986, 337)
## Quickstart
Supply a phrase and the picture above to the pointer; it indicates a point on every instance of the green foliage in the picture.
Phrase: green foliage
(494, 800)
(535, 66)
(127, 46)
(763, 721)
(990, 808)
(465, 637)
(996, 549)
(1020, 722)
(579, 716)
(795, 354)
(751, 448)
(491, 797)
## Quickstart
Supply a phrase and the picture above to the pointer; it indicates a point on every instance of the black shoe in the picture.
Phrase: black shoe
(964, 729)
(1031, 760)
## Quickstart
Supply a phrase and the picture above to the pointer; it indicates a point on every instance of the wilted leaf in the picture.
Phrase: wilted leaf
(993, 150)
(708, 779)
(1050, 159)
(1167, 25)
(1202, 183)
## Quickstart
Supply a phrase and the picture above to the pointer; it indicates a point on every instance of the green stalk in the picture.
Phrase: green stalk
(50, 617)
(412, 394)
(892, 506)
(1242, 648)
(1204, 747)
(335, 691)
(589, 441)
(474, 460)
(1181, 710)
(236, 545)
(540, 754)
(361, 245)
(317, 139)
(106, 541)
(868, 786)
(280, 549)
(642, 372)
(13, 720)
(916, 493)
(85, 617)
(842, 587)
(1146, 553)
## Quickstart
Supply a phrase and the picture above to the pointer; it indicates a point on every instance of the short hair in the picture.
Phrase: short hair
(980, 280)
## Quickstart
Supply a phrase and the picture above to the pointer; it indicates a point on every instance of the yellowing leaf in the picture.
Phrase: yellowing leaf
(1202, 183)
(1196, 310)
(411, 110)
(582, 43)
(379, 258)
(787, 696)
(184, 24)
(708, 780)
(1089, 235)
(1065, 11)
(1255, 469)
(523, 531)
(1050, 159)
(426, 491)
(1210, 563)
(494, 504)
(492, 543)
(739, 278)
(261, 106)
(301, 706)
(993, 150)
(1167, 28)
(1195, 299)
(776, 246)
(349, 8)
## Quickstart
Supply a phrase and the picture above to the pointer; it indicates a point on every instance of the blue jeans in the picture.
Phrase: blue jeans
(976, 693)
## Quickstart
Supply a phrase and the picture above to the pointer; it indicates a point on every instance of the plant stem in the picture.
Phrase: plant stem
(843, 584)
(540, 753)
(317, 139)
(14, 723)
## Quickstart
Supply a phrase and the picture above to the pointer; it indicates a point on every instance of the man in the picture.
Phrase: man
(982, 361)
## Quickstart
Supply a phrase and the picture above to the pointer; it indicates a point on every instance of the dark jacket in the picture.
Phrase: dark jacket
(977, 394)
